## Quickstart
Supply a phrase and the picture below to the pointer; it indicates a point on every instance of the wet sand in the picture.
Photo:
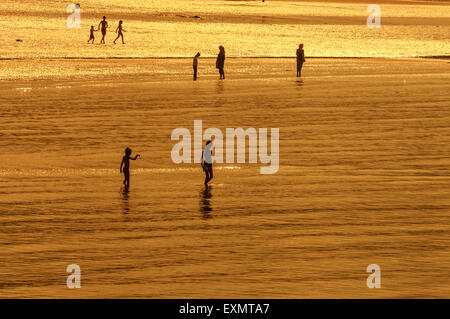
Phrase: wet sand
(245, 28)
(306, 13)
(363, 179)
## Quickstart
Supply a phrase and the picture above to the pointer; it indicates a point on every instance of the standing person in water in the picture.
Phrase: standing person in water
(300, 60)
(92, 37)
(119, 31)
(195, 65)
(220, 62)
(125, 166)
(103, 25)
(206, 162)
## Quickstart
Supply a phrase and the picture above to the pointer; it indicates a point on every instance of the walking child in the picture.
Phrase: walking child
(92, 37)
(119, 31)
(206, 162)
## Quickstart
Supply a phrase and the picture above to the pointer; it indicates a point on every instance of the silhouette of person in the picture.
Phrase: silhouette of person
(126, 166)
(195, 65)
(119, 31)
(206, 162)
(92, 37)
(220, 62)
(103, 25)
(300, 60)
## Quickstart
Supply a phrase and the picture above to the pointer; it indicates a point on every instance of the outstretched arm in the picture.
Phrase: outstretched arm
(136, 157)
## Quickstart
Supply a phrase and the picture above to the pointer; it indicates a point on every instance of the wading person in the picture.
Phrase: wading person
(103, 25)
(300, 60)
(120, 31)
(206, 162)
(220, 62)
(125, 166)
(195, 65)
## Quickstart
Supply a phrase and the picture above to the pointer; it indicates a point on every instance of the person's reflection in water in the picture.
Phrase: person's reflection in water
(125, 199)
(219, 87)
(205, 202)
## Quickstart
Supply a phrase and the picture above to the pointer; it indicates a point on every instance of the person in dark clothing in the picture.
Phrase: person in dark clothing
(220, 62)
(125, 166)
(300, 60)
(103, 25)
(195, 65)
(206, 162)
(92, 37)
(120, 31)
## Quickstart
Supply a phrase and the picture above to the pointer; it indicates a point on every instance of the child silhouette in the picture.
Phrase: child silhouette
(92, 37)
(119, 32)
(126, 166)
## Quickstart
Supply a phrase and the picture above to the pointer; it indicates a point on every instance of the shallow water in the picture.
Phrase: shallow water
(363, 179)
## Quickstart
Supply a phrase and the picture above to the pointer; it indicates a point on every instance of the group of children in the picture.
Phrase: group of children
(206, 162)
(103, 25)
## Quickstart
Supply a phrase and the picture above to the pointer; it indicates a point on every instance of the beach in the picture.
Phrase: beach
(363, 179)
(179, 28)
(363, 176)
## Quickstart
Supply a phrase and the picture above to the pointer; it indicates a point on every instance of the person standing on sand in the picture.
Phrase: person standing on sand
(206, 162)
(220, 62)
(195, 65)
(119, 31)
(126, 166)
(103, 25)
(300, 60)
